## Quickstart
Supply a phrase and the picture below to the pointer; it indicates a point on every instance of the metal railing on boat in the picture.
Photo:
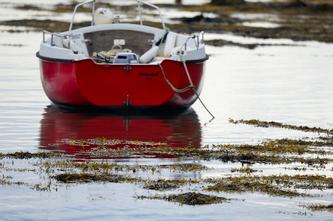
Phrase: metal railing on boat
(62, 36)
(139, 2)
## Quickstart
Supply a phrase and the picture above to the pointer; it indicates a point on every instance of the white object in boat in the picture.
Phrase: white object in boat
(149, 55)
(103, 16)
(125, 58)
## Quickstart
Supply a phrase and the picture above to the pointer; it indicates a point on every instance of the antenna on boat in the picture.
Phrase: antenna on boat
(140, 12)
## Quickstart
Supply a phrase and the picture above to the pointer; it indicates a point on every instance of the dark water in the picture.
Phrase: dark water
(287, 84)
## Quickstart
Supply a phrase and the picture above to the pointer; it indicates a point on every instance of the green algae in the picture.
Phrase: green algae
(189, 198)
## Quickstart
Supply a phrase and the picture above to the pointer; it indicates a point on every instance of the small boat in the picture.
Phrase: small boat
(110, 64)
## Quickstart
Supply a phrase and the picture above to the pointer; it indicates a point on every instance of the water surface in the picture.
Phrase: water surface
(289, 84)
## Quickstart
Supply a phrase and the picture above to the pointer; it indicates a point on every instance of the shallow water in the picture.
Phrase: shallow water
(290, 84)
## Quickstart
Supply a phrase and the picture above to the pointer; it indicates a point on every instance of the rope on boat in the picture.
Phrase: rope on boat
(177, 90)
(187, 88)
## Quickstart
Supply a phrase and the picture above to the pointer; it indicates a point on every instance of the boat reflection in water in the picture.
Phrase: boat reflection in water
(79, 134)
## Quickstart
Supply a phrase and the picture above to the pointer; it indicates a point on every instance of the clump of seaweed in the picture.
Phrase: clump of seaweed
(245, 169)
(162, 184)
(87, 178)
(272, 185)
(250, 184)
(186, 167)
(260, 153)
(267, 124)
(190, 198)
(28, 155)
(87, 166)
(7, 181)
(39, 25)
(320, 207)
(222, 42)
(28, 7)
(12, 45)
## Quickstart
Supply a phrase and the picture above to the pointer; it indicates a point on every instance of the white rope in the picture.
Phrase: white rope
(189, 87)
(177, 90)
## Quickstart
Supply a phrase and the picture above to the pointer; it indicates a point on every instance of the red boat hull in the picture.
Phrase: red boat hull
(86, 83)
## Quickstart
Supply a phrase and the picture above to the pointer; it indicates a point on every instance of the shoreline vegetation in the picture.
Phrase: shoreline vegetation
(308, 154)
(300, 20)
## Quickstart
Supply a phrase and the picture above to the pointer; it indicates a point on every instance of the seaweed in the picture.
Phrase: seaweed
(87, 178)
(266, 124)
(272, 185)
(189, 198)
(222, 42)
(250, 184)
(162, 184)
(28, 155)
(245, 169)
(28, 7)
(320, 207)
(107, 166)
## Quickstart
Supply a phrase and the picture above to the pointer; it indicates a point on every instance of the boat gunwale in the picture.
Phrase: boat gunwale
(88, 58)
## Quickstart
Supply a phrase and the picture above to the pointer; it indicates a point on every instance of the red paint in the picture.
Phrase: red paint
(107, 85)
(175, 131)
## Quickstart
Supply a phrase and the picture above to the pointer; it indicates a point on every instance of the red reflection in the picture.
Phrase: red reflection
(61, 130)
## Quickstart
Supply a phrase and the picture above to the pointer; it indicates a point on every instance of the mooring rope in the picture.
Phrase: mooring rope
(189, 87)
